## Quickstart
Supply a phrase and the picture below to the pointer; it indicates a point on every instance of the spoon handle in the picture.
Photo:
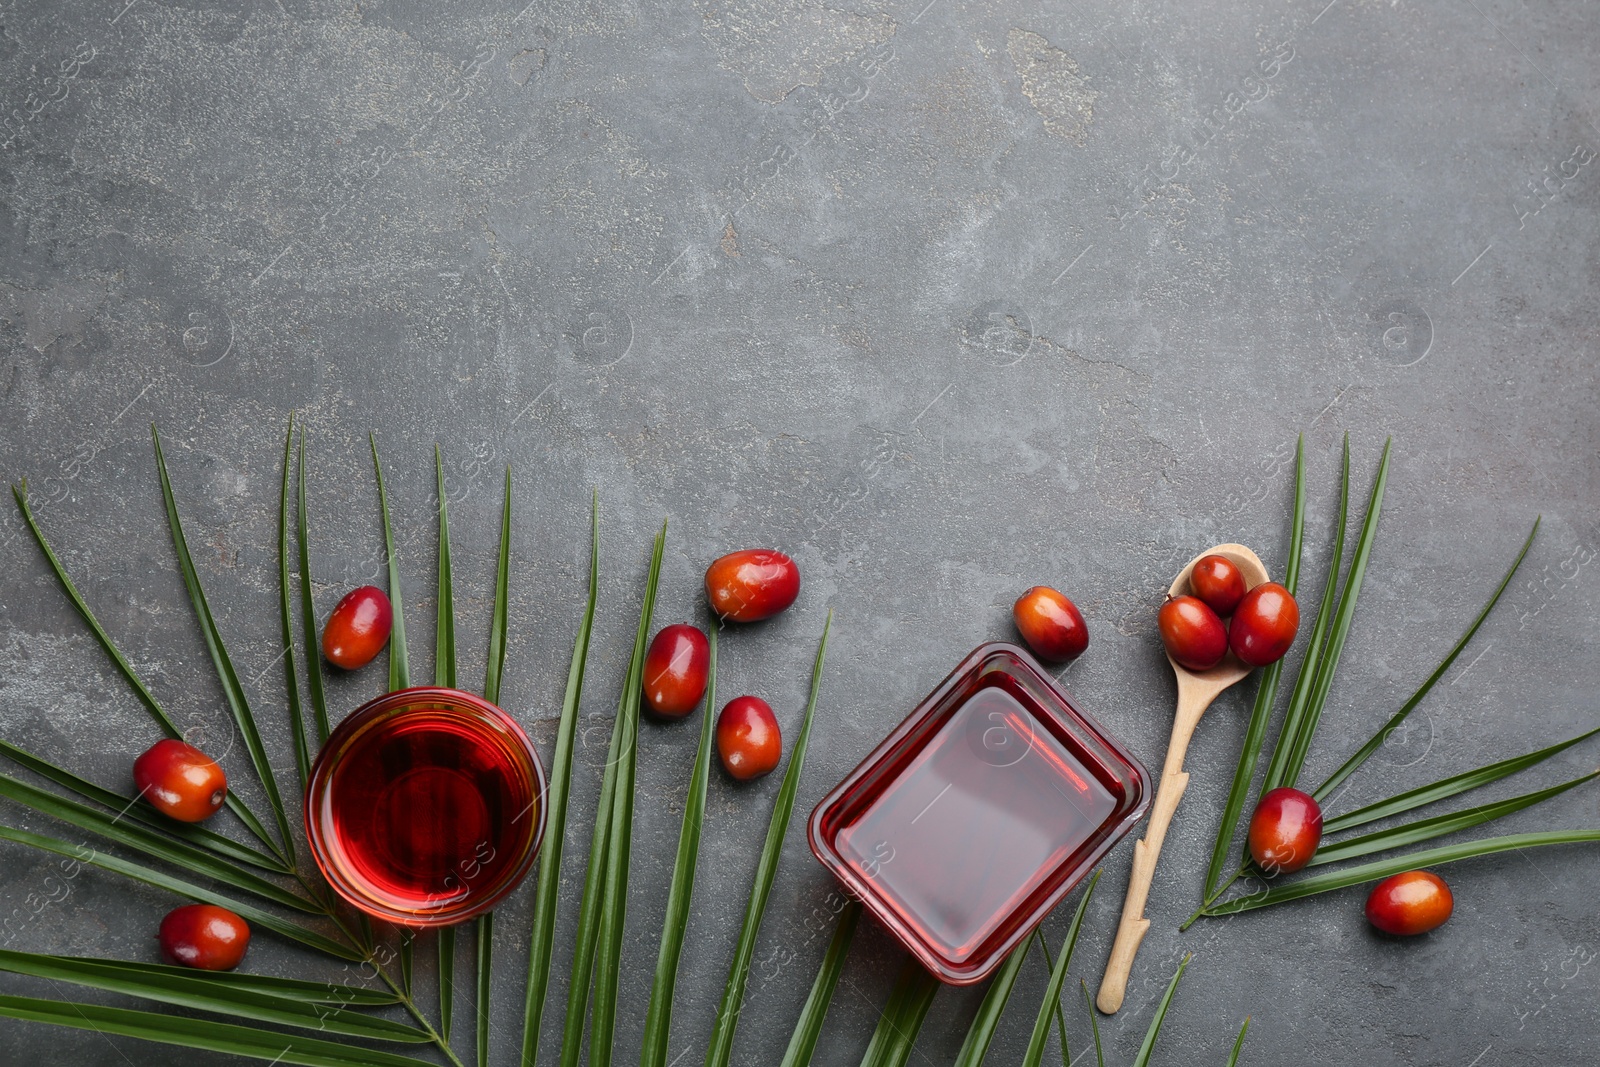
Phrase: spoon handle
(1174, 779)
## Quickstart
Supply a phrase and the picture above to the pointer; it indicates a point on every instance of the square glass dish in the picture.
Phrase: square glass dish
(979, 813)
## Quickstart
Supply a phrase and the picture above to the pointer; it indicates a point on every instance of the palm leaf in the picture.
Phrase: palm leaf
(135, 836)
(1233, 1058)
(1447, 787)
(1094, 1024)
(1058, 976)
(619, 840)
(1143, 1058)
(196, 990)
(142, 691)
(502, 604)
(542, 937)
(291, 671)
(399, 658)
(592, 910)
(1061, 1020)
(161, 880)
(803, 1042)
(305, 992)
(658, 1017)
(308, 609)
(1376, 740)
(901, 1019)
(1426, 829)
(1266, 694)
(1284, 892)
(981, 1031)
(493, 673)
(1341, 623)
(1294, 718)
(203, 1034)
(721, 1049)
(444, 674)
(231, 689)
(129, 808)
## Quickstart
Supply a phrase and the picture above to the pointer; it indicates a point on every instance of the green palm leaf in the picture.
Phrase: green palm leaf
(296, 989)
(980, 1033)
(1058, 976)
(619, 839)
(196, 990)
(1294, 718)
(1447, 787)
(308, 609)
(129, 808)
(658, 1017)
(591, 912)
(1238, 1044)
(721, 1049)
(399, 658)
(161, 880)
(542, 938)
(493, 673)
(803, 1042)
(135, 836)
(1145, 1049)
(142, 691)
(901, 1019)
(203, 1034)
(1341, 624)
(1266, 694)
(444, 674)
(1412, 833)
(231, 689)
(1376, 740)
(291, 671)
(1094, 1024)
(1284, 892)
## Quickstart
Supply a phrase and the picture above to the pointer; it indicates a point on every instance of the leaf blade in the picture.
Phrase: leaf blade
(1238, 1044)
(192, 833)
(1439, 825)
(135, 836)
(619, 841)
(1445, 788)
(542, 937)
(206, 1035)
(20, 493)
(495, 669)
(198, 992)
(901, 1019)
(658, 1016)
(1371, 872)
(1376, 740)
(232, 691)
(291, 671)
(808, 1028)
(1058, 976)
(1266, 696)
(1145, 1049)
(399, 656)
(308, 608)
(981, 1031)
(162, 880)
(1294, 718)
(1341, 622)
(721, 1049)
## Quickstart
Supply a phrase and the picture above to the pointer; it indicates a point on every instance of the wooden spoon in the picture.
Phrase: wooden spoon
(1196, 691)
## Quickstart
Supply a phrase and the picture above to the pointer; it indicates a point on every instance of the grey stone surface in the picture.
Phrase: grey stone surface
(947, 299)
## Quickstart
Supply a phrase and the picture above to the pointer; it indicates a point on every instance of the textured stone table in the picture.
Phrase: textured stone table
(945, 298)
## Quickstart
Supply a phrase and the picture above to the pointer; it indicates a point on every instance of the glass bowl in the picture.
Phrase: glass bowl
(979, 813)
(426, 806)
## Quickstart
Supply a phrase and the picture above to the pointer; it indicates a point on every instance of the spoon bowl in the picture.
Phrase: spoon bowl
(1196, 691)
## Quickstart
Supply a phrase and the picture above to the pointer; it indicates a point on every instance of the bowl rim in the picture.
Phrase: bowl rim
(391, 705)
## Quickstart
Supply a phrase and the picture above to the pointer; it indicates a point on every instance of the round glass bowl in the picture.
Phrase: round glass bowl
(426, 807)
